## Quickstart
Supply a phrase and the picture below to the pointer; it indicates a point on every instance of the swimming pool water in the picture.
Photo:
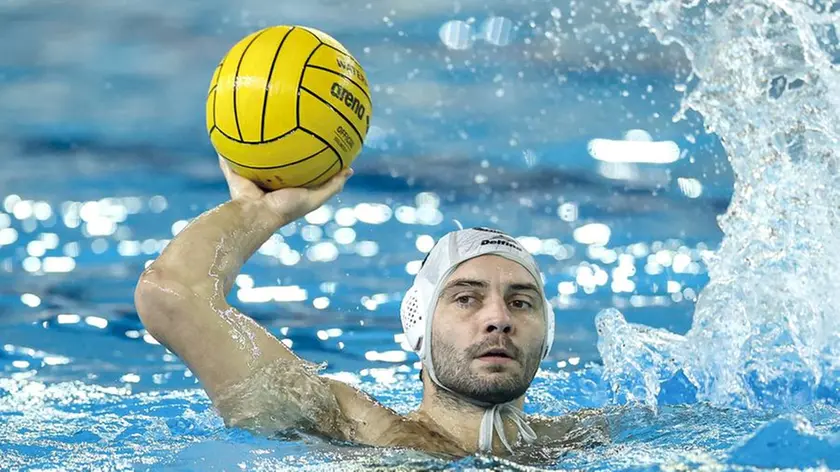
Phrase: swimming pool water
(83, 381)
(104, 159)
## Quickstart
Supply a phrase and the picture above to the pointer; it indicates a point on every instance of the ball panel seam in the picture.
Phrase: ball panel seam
(320, 151)
(237, 140)
(326, 143)
(336, 110)
(268, 83)
(322, 173)
(236, 85)
(300, 79)
(361, 88)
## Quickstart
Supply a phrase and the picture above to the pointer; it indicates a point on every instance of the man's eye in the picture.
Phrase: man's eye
(464, 299)
(522, 304)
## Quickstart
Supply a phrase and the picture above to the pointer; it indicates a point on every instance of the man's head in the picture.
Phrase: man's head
(478, 317)
(488, 330)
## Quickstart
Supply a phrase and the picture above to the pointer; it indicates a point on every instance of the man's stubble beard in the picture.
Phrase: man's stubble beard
(500, 384)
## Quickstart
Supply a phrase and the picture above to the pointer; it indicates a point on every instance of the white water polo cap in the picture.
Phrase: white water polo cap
(418, 307)
(451, 251)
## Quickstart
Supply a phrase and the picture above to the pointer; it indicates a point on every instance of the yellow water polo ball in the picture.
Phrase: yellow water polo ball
(288, 106)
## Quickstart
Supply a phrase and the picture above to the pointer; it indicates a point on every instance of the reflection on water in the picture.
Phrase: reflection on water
(57, 242)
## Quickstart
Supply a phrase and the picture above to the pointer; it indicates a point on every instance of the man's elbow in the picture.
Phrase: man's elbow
(157, 299)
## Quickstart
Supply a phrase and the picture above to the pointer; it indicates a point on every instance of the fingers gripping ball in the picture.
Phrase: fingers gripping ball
(288, 106)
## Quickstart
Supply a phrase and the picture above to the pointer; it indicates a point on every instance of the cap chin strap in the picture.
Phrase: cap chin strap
(492, 419)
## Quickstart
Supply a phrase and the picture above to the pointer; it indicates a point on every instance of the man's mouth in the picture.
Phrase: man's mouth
(497, 354)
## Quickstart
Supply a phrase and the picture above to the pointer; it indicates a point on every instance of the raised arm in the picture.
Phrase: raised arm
(248, 374)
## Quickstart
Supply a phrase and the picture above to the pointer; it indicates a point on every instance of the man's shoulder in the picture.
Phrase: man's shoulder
(410, 431)
(377, 425)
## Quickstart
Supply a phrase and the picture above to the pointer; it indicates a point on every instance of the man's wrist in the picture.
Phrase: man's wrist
(260, 210)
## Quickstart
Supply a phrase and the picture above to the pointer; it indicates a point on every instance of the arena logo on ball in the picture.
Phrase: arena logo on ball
(349, 100)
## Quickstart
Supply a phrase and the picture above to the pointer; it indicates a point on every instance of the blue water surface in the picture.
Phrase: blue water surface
(103, 158)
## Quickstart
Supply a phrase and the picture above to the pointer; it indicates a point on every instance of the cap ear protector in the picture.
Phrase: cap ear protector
(451, 251)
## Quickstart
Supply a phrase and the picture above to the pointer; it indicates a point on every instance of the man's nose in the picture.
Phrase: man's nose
(497, 319)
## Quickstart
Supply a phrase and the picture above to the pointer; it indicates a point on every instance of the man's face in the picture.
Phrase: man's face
(488, 329)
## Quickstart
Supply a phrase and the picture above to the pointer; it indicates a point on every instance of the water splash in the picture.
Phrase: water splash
(766, 330)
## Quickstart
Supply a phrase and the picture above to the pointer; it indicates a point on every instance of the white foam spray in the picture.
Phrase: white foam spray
(766, 329)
